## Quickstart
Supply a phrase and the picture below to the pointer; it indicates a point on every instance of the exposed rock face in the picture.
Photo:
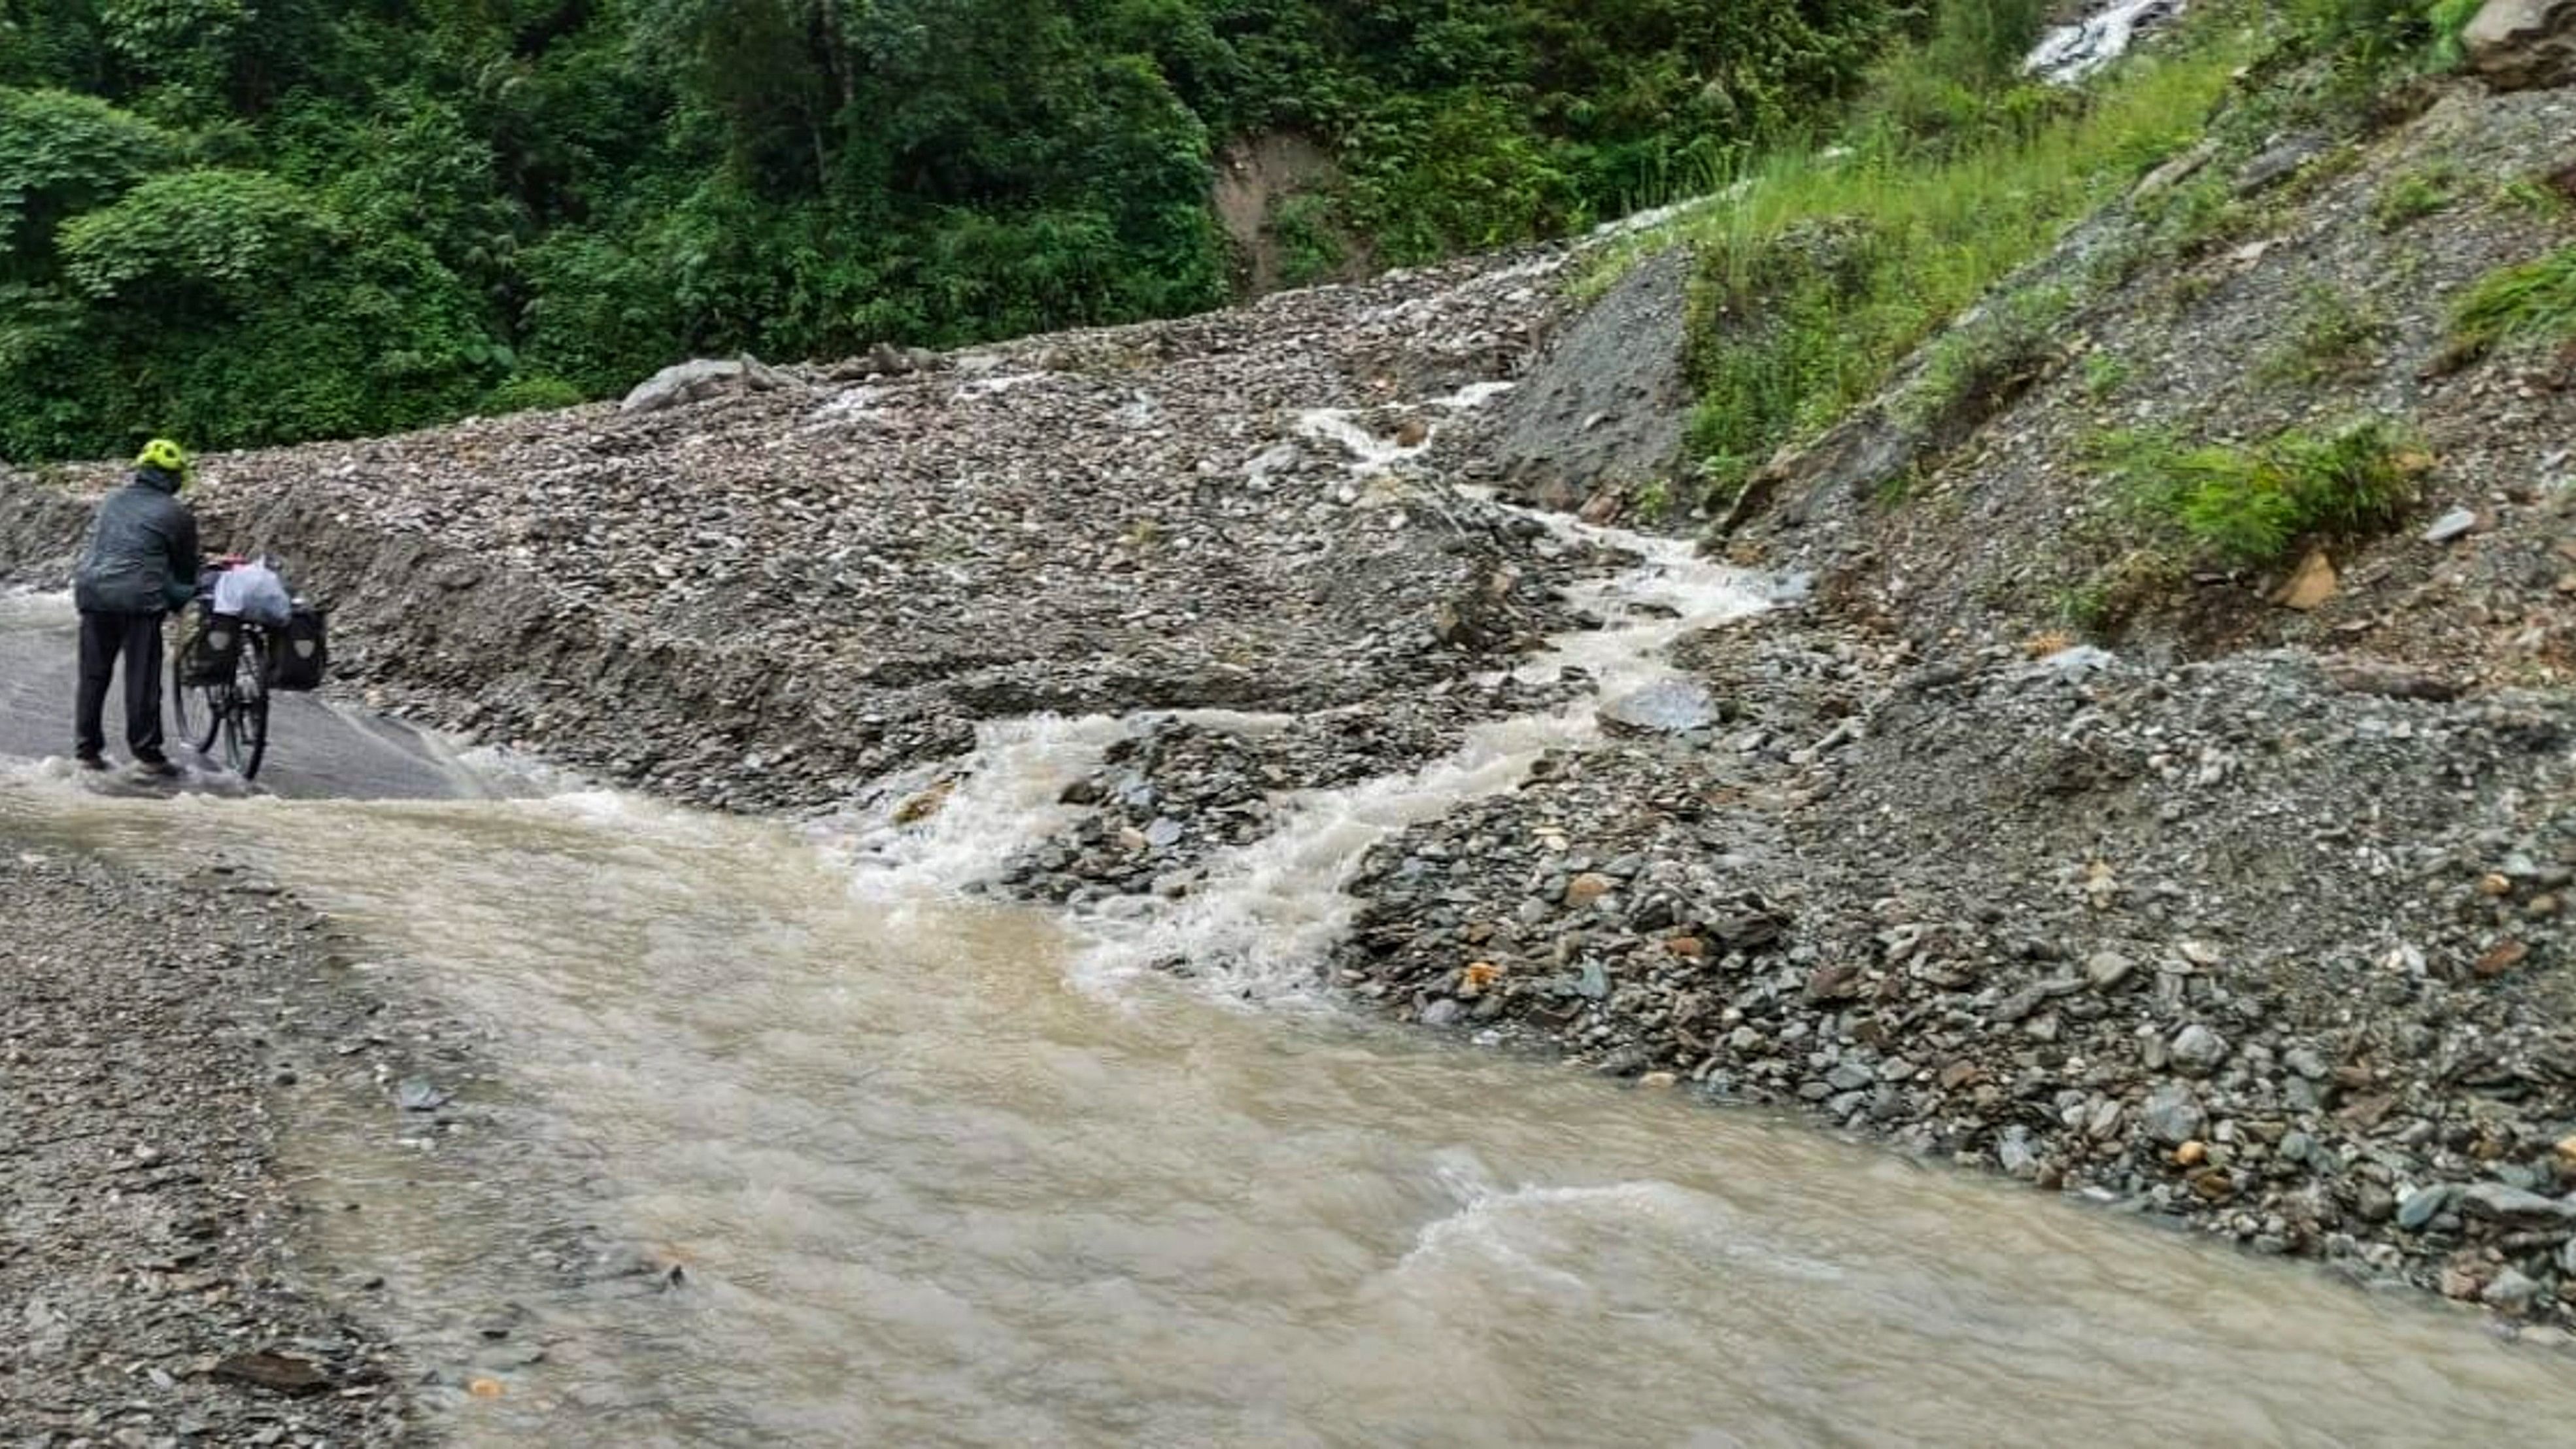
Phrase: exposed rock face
(2524, 44)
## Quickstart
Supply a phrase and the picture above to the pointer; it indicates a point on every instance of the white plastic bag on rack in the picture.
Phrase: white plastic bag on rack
(253, 591)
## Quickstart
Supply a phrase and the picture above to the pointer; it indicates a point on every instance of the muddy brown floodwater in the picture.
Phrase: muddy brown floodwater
(935, 1178)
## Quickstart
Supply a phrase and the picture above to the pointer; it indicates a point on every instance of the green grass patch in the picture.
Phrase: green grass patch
(1821, 270)
(1977, 366)
(2535, 300)
(2105, 373)
(2418, 194)
(2254, 505)
(2333, 334)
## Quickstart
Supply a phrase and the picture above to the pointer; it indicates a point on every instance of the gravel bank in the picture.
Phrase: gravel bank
(147, 1258)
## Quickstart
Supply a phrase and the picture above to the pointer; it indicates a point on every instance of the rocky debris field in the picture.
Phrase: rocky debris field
(764, 598)
(149, 1293)
(1180, 790)
(2271, 945)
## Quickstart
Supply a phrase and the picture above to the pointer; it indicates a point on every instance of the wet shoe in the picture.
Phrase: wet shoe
(158, 766)
(89, 761)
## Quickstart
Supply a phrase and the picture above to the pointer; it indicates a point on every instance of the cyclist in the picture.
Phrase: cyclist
(140, 563)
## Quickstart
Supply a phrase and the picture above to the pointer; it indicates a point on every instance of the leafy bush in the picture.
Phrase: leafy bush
(536, 393)
(2251, 506)
(1989, 353)
(60, 154)
(191, 229)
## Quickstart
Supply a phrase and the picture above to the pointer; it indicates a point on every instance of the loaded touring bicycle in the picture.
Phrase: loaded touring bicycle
(245, 638)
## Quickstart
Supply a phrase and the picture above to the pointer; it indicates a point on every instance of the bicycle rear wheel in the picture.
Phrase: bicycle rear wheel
(245, 719)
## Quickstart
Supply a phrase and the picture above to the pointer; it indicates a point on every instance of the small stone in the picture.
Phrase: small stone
(2191, 1154)
(2107, 970)
(2511, 1291)
(2503, 957)
(2310, 586)
(1587, 888)
(2451, 525)
(1658, 1080)
(1674, 707)
(2103, 1122)
(2172, 1114)
(2496, 1200)
(2425, 1204)
(2492, 884)
(1960, 1073)
(1443, 1012)
(1832, 983)
(2198, 1051)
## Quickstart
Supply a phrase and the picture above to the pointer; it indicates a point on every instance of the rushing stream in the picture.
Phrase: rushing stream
(944, 1171)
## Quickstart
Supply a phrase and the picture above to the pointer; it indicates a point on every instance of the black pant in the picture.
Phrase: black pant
(138, 638)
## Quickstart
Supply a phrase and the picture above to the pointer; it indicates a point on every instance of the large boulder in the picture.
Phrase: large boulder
(687, 382)
(2523, 44)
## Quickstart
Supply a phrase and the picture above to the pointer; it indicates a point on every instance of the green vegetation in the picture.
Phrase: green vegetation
(254, 224)
(2418, 194)
(1823, 268)
(2105, 373)
(2535, 300)
(2252, 506)
(1974, 367)
(2331, 335)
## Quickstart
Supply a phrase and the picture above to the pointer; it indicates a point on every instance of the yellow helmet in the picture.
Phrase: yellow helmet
(165, 455)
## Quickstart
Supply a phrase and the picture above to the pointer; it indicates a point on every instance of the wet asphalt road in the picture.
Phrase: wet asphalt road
(315, 750)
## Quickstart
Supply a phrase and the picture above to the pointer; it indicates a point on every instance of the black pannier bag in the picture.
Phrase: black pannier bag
(210, 644)
(298, 654)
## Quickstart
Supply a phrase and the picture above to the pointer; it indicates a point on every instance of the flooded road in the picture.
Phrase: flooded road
(937, 1170)
(930, 1187)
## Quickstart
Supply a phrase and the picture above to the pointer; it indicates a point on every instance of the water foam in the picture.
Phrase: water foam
(1268, 913)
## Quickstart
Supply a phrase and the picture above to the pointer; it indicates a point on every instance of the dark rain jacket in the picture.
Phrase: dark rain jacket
(142, 553)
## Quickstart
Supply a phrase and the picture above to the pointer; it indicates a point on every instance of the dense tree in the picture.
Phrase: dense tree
(270, 219)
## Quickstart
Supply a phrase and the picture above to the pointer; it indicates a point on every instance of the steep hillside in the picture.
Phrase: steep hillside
(2254, 918)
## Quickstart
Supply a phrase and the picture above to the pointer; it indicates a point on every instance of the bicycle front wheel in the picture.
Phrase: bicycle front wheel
(245, 716)
(199, 707)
